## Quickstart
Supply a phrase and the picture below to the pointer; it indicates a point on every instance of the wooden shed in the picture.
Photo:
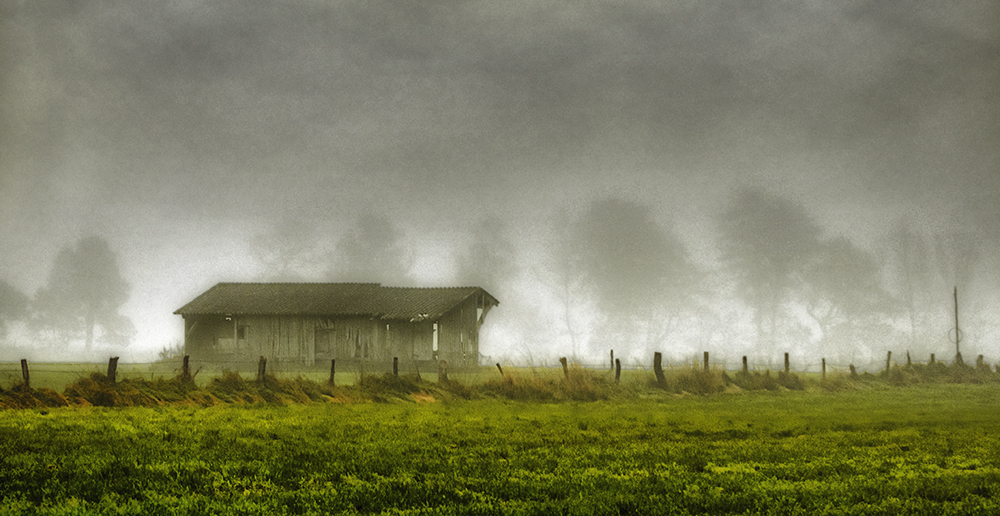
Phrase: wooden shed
(354, 323)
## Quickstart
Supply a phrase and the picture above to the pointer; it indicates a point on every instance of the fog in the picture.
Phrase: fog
(208, 142)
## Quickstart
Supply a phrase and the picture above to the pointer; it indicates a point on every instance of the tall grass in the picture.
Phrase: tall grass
(520, 384)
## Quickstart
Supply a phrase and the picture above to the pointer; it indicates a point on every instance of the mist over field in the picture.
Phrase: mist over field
(740, 178)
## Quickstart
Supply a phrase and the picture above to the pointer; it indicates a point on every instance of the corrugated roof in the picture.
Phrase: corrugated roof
(332, 299)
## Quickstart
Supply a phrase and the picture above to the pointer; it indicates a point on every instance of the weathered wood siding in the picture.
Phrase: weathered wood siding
(458, 335)
(306, 339)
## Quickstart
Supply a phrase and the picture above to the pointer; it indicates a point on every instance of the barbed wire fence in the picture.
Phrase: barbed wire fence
(58, 375)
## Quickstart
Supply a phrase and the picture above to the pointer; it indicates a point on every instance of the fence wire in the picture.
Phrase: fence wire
(57, 375)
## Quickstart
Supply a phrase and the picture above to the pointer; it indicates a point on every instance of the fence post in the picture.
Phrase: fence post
(395, 366)
(499, 369)
(658, 368)
(787, 365)
(612, 359)
(24, 372)
(888, 358)
(909, 363)
(564, 366)
(442, 371)
(186, 369)
(854, 372)
(706, 361)
(261, 368)
(333, 370)
(618, 370)
(745, 369)
(824, 369)
(112, 369)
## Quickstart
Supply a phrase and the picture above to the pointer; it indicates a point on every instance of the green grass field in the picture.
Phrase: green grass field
(925, 449)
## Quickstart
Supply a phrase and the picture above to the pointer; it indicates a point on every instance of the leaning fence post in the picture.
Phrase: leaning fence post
(658, 368)
(442, 371)
(499, 369)
(261, 368)
(564, 366)
(24, 372)
(186, 369)
(888, 358)
(112, 369)
(618, 369)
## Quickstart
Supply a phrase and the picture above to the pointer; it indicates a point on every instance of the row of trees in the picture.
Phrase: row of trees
(602, 275)
(79, 302)
(611, 276)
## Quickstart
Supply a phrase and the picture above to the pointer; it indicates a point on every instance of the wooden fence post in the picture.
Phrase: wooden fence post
(261, 368)
(706, 361)
(395, 366)
(787, 365)
(888, 358)
(932, 358)
(186, 369)
(333, 370)
(499, 369)
(24, 372)
(442, 371)
(824, 369)
(564, 366)
(745, 369)
(612, 359)
(908, 361)
(618, 370)
(658, 368)
(112, 370)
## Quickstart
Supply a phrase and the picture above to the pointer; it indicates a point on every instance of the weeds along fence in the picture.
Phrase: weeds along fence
(56, 375)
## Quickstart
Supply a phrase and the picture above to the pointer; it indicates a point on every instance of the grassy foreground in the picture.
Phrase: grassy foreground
(925, 449)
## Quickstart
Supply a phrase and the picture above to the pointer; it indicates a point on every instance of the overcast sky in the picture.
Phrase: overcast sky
(179, 129)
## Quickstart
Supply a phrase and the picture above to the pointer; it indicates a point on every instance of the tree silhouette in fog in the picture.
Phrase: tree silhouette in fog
(85, 290)
(372, 251)
(639, 273)
(13, 306)
(289, 250)
(490, 259)
(910, 260)
(767, 243)
(842, 291)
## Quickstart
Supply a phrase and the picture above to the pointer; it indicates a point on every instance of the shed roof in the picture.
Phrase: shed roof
(330, 299)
